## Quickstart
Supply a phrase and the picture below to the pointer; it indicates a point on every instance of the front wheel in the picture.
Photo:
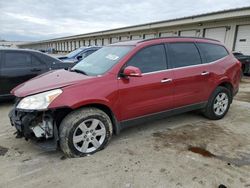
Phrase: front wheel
(85, 132)
(218, 104)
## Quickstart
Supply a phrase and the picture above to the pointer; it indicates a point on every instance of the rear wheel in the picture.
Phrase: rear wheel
(85, 132)
(218, 103)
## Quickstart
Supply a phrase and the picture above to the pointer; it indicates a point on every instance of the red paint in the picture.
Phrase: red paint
(136, 96)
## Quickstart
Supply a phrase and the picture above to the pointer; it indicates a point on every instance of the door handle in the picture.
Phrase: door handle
(205, 73)
(36, 70)
(165, 80)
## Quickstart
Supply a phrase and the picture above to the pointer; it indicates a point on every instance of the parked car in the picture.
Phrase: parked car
(125, 84)
(79, 54)
(51, 50)
(18, 66)
(245, 61)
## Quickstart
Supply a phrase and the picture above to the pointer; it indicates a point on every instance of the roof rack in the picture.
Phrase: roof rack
(178, 37)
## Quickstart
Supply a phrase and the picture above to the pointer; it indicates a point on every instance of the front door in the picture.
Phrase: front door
(17, 68)
(151, 93)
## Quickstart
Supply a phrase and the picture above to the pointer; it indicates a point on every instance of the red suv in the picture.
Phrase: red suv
(124, 84)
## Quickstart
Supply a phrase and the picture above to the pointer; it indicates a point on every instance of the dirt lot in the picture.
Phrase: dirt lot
(182, 151)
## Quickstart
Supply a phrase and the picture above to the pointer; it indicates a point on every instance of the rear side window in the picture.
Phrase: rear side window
(36, 61)
(89, 52)
(150, 59)
(212, 52)
(183, 54)
(17, 60)
(47, 59)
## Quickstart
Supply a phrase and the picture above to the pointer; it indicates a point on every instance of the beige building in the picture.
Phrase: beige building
(231, 27)
(10, 44)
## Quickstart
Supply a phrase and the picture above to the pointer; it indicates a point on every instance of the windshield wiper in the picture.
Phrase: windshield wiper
(78, 71)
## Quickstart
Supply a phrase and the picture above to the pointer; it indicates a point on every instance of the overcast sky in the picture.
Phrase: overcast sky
(44, 19)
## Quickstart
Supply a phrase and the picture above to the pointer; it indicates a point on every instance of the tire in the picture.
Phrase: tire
(84, 132)
(215, 108)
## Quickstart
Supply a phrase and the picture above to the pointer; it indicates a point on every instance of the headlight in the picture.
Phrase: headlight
(39, 101)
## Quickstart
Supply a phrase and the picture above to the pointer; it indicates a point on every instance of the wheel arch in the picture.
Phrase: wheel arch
(61, 113)
(109, 112)
(227, 84)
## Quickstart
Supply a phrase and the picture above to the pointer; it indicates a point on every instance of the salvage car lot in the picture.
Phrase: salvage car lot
(182, 151)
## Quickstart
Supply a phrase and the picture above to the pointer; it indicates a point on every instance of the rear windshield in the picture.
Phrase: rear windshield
(212, 52)
(102, 60)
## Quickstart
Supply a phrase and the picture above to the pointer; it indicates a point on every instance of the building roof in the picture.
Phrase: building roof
(217, 15)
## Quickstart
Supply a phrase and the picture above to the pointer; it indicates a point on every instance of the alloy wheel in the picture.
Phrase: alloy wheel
(89, 135)
(220, 104)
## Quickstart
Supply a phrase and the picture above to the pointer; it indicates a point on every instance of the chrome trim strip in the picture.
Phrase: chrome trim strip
(185, 66)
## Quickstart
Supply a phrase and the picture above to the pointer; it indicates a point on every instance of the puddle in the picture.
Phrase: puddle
(3, 151)
(199, 136)
(243, 160)
(201, 151)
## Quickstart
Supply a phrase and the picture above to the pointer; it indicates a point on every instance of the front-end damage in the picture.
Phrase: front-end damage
(38, 126)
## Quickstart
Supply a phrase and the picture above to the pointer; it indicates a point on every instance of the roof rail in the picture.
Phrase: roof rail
(178, 37)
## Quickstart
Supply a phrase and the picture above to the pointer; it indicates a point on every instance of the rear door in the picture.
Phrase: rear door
(16, 69)
(150, 93)
(190, 76)
(38, 66)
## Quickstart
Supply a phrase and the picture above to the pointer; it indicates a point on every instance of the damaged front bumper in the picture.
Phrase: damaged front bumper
(37, 126)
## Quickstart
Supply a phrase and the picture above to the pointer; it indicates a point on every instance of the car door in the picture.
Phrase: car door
(16, 69)
(38, 66)
(190, 76)
(151, 93)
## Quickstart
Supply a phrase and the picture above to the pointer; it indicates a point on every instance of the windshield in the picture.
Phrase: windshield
(102, 60)
(74, 53)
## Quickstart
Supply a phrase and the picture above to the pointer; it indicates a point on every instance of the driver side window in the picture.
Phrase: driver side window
(86, 54)
(149, 59)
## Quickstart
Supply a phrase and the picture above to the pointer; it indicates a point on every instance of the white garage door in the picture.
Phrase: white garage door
(68, 46)
(99, 42)
(242, 43)
(124, 38)
(82, 43)
(73, 45)
(115, 39)
(218, 33)
(92, 42)
(86, 42)
(149, 36)
(105, 41)
(136, 37)
(167, 34)
(77, 44)
(190, 33)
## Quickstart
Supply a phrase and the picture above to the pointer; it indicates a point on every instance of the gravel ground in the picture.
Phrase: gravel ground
(182, 151)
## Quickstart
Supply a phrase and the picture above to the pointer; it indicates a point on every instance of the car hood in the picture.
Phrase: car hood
(48, 81)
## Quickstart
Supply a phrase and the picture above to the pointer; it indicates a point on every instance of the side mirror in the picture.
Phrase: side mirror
(132, 71)
(79, 57)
